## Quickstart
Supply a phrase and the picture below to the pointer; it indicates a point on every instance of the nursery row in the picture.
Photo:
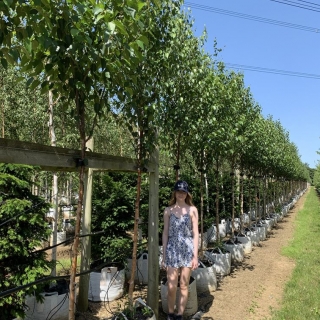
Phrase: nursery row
(215, 263)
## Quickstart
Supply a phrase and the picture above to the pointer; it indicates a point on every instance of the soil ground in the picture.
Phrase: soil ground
(251, 292)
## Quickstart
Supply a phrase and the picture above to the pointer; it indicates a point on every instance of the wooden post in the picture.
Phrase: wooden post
(86, 241)
(2, 122)
(55, 203)
(153, 237)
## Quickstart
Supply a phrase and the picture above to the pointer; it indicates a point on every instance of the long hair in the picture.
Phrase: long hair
(173, 199)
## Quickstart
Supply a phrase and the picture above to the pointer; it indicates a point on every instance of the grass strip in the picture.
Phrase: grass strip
(302, 292)
(63, 266)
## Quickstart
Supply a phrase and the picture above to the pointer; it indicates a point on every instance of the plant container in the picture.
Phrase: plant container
(107, 285)
(141, 274)
(246, 242)
(236, 249)
(221, 259)
(192, 304)
(205, 276)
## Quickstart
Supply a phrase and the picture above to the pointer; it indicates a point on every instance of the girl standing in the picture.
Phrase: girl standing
(180, 246)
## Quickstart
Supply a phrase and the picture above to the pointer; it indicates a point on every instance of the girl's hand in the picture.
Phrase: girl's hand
(194, 263)
(163, 266)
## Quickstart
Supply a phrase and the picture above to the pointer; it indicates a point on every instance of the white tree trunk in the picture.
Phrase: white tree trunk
(54, 182)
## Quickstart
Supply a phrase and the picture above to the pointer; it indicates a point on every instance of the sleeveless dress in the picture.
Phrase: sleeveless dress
(179, 251)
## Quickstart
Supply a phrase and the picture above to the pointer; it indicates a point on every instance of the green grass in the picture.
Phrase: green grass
(302, 292)
(63, 267)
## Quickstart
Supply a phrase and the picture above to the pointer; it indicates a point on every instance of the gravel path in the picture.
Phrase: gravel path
(255, 288)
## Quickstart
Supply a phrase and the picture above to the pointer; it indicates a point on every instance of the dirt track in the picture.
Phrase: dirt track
(255, 288)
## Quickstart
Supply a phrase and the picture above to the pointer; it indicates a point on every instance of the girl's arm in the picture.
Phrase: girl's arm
(165, 235)
(195, 231)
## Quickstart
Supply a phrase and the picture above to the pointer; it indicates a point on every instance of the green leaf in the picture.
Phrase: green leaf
(89, 40)
(140, 44)
(4, 63)
(29, 31)
(44, 87)
(28, 45)
(48, 67)
(74, 32)
(9, 58)
(99, 17)
(144, 39)
(34, 45)
(121, 27)
(34, 84)
(97, 10)
(111, 26)
(140, 5)
(39, 68)
(30, 80)
(8, 2)
(81, 8)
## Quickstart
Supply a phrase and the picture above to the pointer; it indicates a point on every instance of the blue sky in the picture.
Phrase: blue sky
(294, 101)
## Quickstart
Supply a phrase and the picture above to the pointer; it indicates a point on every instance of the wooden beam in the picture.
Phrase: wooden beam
(62, 159)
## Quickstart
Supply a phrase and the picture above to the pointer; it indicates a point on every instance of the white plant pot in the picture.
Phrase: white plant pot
(141, 274)
(192, 304)
(267, 225)
(61, 236)
(54, 307)
(236, 225)
(221, 261)
(106, 285)
(254, 236)
(270, 222)
(274, 216)
(206, 278)
(246, 243)
(212, 231)
(205, 241)
(262, 223)
(140, 303)
(222, 228)
(286, 210)
(262, 230)
(245, 218)
(212, 234)
(279, 217)
(252, 215)
(236, 250)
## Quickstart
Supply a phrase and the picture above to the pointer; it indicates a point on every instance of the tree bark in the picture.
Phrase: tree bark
(81, 163)
(55, 201)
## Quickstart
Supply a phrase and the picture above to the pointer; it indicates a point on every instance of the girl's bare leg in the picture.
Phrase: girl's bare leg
(172, 277)
(184, 283)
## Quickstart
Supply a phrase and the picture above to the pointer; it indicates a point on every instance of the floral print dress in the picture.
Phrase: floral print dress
(179, 252)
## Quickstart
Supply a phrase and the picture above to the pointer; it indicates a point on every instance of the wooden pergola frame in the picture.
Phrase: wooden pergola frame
(62, 159)
(55, 159)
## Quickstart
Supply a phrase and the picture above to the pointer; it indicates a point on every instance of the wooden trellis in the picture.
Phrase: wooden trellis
(54, 159)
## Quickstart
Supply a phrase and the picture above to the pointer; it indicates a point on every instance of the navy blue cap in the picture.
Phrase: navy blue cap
(181, 185)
